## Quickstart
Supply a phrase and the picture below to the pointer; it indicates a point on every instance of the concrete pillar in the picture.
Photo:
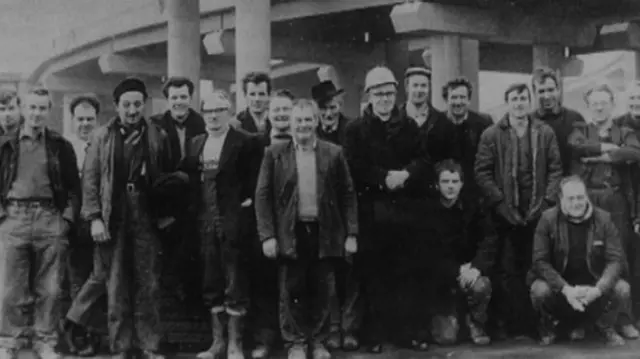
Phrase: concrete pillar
(253, 41)
(398, 59)
(351, 79)
(183, 49)
(452, 56)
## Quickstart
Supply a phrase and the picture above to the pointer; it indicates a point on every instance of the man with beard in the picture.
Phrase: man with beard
(345, 314)
(9, 112)
(84, 110)
(219, 165)
(40, 200)
(547, 90)
(333, 123)
(125, 157)
(256, 87)
(518, 168)
(459, 137)
(181, 123)
(577, 261)
(603, 153)
(464, 250)
(388, 162)
(312, 223)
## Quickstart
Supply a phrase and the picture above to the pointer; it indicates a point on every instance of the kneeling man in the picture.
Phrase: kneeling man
(307, 216)
(577, 260)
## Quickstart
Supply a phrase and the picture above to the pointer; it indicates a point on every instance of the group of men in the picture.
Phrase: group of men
(290, 222)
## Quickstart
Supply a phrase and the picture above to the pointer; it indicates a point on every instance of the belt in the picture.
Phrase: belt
(30, 202)
(307, 219)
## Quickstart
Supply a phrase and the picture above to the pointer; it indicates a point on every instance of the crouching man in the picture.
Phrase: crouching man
(307, 216)
(467, 243)
(220, 165)
(577, 260)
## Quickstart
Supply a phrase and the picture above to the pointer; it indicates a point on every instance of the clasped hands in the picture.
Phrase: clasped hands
(605, 148)
(580, 296)
(468, 275)
(270, 246)
(396, 179)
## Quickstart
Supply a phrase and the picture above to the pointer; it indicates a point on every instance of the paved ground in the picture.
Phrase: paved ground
(523, 349)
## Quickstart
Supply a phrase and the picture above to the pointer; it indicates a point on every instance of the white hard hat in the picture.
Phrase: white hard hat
(379, 76)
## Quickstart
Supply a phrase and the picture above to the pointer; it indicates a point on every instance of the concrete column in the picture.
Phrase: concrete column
(349, 78)
(253, 41)
(452, 56)
(183, 49)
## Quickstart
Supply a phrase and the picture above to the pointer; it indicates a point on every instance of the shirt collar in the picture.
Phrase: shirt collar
(34, 136)
(330, 128)
(458, 121)
(299, 147)
(414, 112)
(555, 111)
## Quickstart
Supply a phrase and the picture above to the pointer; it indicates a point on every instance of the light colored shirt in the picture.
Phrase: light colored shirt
(307, 182)
(213, 149)
(182, 133)
(418, 114)
(32, 177)
(80, 148)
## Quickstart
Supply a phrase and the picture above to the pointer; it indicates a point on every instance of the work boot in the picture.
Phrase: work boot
(46, 351)
(261, 351)
(547, 330)
(297, 351)
(629, 331)
(147, 354)
(350, 343)
(320, 352)
(235, 350)
(333, 341)
(577, 334)
(612, 337)
(218, 346)
(477, 332)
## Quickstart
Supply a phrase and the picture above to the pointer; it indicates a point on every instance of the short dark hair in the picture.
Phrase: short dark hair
(454, 84)
(177, 81)
(541, 74)
(90, 100)
(519, 87)
(283, 93)
(449, 165)
(256, 77)
(7, 95)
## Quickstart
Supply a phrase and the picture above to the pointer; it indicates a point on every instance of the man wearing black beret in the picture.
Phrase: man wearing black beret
(125, 157)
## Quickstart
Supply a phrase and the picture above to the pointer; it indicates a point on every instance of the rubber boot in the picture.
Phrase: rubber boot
(218, 347)
(235, 349)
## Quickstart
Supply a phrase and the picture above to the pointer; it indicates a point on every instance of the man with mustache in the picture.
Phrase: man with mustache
(311, 224)
(458, 138)
(388, 163)
(124, 159)
(577, 261)
(333, 123)
(40, 198)
(547, 89)
(518, 168)
(84, 110)
(181, 123)
(9, 112)
(219, 164)
(604, 152)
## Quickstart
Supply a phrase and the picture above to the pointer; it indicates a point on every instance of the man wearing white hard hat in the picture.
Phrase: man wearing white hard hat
(388, 163)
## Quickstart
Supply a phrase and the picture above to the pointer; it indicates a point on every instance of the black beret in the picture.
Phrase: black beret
(130, 84)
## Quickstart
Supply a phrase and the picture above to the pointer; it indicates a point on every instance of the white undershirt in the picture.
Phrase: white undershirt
(213, 147)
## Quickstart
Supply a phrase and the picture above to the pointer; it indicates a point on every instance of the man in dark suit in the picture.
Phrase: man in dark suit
(310, 222)
(577, 261)
(182, 124)
(219, 164)
(333, 123)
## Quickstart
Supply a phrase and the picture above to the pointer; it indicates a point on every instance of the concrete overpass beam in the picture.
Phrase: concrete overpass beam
(453, 56)
(252, 41)
(183, 43)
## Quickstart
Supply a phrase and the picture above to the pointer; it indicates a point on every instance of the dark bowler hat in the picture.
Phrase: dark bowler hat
(130, 84)
(324, 91)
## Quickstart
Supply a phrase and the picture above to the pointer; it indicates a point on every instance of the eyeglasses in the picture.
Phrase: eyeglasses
(384, 94)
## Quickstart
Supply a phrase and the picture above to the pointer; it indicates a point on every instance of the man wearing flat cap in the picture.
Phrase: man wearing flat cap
(333, 123)
(124, 159)
(221, 165)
